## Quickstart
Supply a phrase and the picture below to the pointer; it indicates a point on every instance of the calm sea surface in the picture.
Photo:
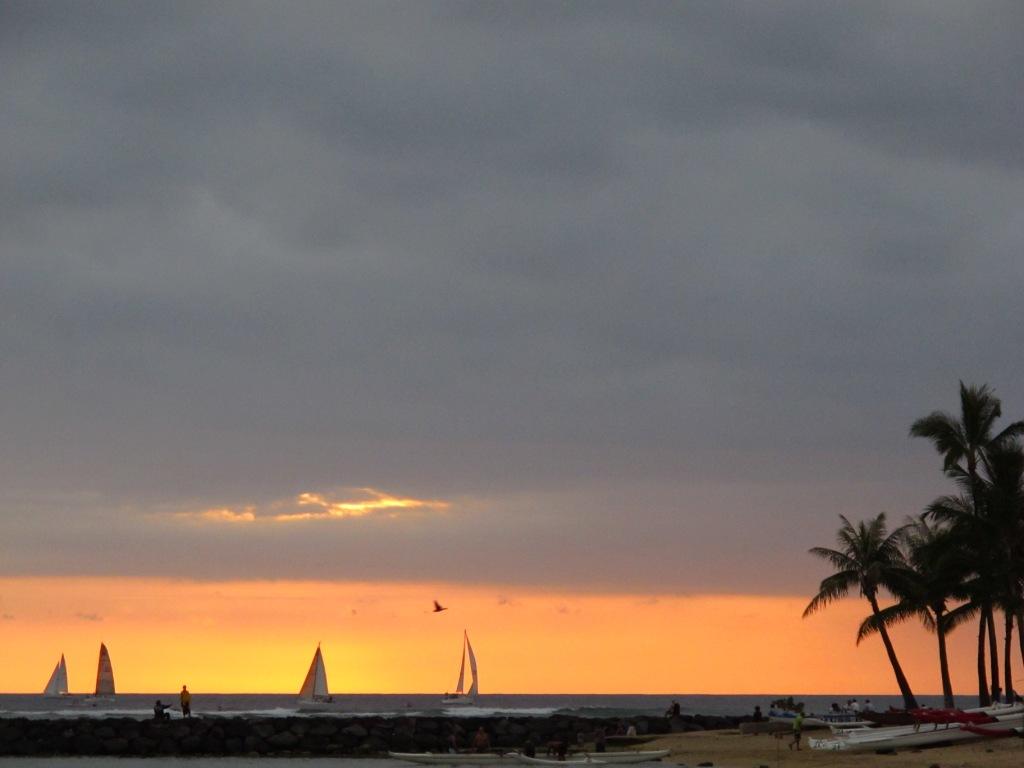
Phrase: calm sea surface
(398, 705)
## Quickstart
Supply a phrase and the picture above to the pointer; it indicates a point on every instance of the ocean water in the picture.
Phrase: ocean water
(423, 705)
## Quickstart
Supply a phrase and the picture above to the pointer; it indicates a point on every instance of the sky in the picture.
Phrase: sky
(518, 301)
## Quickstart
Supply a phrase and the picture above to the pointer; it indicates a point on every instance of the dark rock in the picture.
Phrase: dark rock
(402, 742)
(236, 727)
(355, 730)
(104, 732)
(283, 740)
(141, 745)
(87, 744)
(323, 729)
(233, 745)
(254, 743)
(25, 747)
(708, 764)
(316, 744)
(212, 744)
(115, 746)
(264, 729)
(425, 742)
(191, 744)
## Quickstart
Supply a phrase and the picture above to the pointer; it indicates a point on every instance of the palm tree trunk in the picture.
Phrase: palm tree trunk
(1007, 645)
(947, 686)
(984, 697)
(909, 702)
(993, 652)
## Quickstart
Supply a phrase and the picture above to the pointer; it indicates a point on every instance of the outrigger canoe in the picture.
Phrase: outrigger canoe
(547, 761)
(454, 758)
(623, 758)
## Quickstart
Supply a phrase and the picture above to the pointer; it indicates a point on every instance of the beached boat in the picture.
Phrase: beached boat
(57, 685)
(454, 758)
(845, 719)
(934, 727)
(547, 761)
(891, 717)
(624, 758)
(460, 698)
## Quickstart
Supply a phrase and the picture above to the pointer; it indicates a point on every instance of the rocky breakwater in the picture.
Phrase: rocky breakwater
(349, 736)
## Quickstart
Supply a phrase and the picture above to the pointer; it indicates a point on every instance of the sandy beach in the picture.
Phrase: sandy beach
(728, 749)
(722, 749)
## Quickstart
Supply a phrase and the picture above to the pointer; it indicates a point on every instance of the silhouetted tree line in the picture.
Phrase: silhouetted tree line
(960, 561)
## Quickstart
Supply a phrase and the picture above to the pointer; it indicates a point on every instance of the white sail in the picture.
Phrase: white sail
(460, 697)
(474, 686)
(104, 674)
(462, 669)
(314, 687)
(58, 682)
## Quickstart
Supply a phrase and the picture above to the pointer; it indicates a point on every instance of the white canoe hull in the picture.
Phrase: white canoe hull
(542, 761)
(454, 758)
(905, 736)
(624, 758)
(823, 721)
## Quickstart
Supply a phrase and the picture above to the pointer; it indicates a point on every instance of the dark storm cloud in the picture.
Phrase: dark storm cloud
(653, 285)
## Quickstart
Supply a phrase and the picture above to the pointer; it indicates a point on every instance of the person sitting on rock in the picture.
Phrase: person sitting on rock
(481, 741)
(160, 711)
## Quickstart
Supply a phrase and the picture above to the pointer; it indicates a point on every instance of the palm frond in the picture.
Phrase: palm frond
(832, 588)
(888, 617)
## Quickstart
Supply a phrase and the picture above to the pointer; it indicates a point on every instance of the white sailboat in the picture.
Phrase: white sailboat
(104, 674)
(58, 682)
(314, 687)
(314, 695)
(468, 697)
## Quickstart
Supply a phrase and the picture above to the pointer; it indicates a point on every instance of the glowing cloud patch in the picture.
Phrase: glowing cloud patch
(317, 506)
(378, 502)
(222, 515)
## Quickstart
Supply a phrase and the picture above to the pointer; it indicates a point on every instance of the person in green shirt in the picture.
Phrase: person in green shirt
(798, 725)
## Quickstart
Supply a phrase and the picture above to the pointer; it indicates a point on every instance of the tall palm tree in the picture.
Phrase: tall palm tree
(938, 568)
(958, 513)
(966, 444)
(1004, 492)
(869, 558)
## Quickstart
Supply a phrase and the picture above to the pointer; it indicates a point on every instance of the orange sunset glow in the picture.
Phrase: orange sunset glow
(259, 636)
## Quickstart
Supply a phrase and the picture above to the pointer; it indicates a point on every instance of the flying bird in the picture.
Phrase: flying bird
(438, 607)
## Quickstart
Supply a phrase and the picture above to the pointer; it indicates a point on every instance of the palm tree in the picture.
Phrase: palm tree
(868, 558)
(965, 525)
(938, 568)
(966, 444)
(1004, 508)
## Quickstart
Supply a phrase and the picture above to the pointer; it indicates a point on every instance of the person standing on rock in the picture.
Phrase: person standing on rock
(186, 702)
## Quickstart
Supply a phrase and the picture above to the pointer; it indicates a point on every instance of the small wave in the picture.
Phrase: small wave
(492, 711)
